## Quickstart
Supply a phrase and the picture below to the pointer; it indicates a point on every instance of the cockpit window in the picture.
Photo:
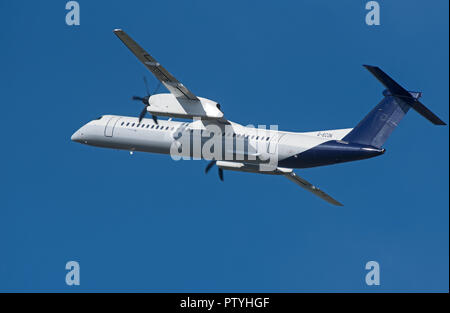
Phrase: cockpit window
(100, 117)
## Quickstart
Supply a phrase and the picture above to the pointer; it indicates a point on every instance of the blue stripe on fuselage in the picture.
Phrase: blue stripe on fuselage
(331, 152)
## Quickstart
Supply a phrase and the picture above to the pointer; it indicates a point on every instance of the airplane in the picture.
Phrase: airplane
(244, 148)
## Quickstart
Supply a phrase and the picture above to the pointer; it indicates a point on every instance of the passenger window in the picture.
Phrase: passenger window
(122, 123)
(132, 125)
(267, 139)
(167, 128)
(128, 123)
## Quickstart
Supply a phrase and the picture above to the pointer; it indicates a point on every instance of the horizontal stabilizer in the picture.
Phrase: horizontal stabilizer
(425, 112)
(398, 91)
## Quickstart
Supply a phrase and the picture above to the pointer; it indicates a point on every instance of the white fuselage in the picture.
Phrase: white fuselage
(253, 145)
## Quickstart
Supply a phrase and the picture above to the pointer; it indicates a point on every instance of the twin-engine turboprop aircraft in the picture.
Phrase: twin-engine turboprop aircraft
(231, 146)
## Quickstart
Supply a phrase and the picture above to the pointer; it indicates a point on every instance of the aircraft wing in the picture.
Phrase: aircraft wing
(311, 188)
(171, 83)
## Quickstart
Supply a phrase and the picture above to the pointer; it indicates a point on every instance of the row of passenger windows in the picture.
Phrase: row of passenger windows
(247, 136)
(161, 127)
(146, 126)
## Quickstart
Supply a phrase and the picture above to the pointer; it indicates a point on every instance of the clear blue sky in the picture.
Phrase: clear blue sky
(147, 223)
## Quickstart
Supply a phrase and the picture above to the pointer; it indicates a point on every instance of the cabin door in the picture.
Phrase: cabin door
(273, 143)
(109, 128)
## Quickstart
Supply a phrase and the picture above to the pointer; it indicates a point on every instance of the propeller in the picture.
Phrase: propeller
(210, 165)
(145, 100)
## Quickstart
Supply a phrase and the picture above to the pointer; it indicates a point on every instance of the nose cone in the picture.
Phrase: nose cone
(77, 136)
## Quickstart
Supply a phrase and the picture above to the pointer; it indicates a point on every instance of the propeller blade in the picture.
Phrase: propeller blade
(208, 167)
(146, 100)
(221, 174)
(146, 86)
(141, 116)
(157, 88)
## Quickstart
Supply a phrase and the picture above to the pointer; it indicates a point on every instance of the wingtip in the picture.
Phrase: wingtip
(117, 30)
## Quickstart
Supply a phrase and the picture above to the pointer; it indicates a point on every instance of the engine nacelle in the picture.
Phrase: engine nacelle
(271, 169)
(166, 104)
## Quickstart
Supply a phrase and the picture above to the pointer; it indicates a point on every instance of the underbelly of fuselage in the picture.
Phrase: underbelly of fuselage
(189, 147)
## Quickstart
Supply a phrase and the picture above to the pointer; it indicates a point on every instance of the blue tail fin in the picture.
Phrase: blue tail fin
(376, 127)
